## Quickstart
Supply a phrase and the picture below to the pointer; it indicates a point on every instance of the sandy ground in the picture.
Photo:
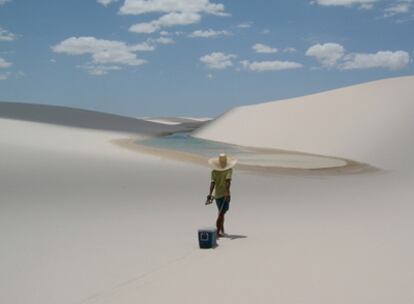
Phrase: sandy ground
(83, 220)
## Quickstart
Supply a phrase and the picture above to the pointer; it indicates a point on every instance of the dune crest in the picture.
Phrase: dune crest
(370, 123)
(86, 119)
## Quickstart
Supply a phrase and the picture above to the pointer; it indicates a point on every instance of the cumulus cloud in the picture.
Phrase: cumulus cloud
(364, 4)
(98, 70)
(4, 64)
(327, 54)
(244, 25)
(218, 60)
(398, 8)
(107, 55)
(106, 2)
(208, 33)
(163, 40)
(265, 66)
(143, 47)
(168, 20)
(138, 7)
(262, 48)
(102, 51)
(5, 35)
(383, 59)
(176, 12)
(333, 55)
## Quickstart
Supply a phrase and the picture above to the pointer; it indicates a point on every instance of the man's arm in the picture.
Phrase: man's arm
(227, 194)
(212, 185)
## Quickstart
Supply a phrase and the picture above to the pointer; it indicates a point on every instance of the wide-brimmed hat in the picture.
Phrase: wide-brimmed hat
(222, 162)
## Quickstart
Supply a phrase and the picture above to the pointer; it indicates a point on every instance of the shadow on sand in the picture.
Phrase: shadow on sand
(233, 236)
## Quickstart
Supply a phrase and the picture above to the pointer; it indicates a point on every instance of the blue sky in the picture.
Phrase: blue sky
(196, 57)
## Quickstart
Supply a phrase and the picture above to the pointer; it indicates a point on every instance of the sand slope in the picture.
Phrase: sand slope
(84, 221)
(183, 122)
(370, 123)
(81, 118)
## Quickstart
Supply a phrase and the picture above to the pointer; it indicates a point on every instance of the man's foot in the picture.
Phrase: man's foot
(219, 235)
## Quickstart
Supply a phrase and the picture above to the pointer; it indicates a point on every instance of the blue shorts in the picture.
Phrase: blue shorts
(222, 205)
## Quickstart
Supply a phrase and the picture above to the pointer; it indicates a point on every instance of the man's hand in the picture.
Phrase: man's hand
(227, 198)
(209, 199)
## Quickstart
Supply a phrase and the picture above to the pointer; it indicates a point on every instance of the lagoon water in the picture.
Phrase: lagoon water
(184, 142)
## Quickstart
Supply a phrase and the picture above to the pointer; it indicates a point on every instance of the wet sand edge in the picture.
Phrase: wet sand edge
(351, 167)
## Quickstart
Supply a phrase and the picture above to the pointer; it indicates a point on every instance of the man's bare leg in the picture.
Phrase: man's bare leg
(220, 225)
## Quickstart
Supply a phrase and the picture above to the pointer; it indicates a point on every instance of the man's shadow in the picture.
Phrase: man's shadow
(233, 236)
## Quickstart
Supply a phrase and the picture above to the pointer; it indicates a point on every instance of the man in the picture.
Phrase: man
(220, 182)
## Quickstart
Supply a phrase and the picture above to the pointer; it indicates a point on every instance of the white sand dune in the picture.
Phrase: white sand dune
(85, 221)
(188, 118)
(370, 123)
(81, 118)
(178, 120)
(183, 122)
(162, 121)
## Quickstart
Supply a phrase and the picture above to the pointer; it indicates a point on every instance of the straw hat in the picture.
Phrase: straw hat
(222, 162)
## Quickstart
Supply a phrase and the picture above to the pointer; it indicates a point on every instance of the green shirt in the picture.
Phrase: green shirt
(219, 178)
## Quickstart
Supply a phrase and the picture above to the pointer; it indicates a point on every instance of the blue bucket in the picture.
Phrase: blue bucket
(207, 238)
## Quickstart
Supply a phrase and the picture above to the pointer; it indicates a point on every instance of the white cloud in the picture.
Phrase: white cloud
(327, 54)
(102, 51)
(4, 64)
(163, 40)
(208, 33)
(106, 2)
(176, 12)
(5, 35)
(245, 25)
(218, 60)
(262, 48)
(108, 54)
(143, 47)
(168, 20)
(266, 31)
(146, 28)
(210, 76)
(364, 4)
(333, 55)
(398, 8)
(2, 2)
(98, 70)
(382, 59)
(138, 7)
(367, 6)
(264, 66)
